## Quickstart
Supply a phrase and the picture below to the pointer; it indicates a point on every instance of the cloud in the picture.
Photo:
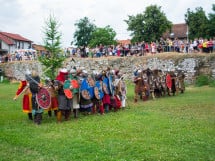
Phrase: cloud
(27, 17)
(10, 12)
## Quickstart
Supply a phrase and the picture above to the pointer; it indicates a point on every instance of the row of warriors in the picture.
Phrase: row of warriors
(72, 92)
(156, 83)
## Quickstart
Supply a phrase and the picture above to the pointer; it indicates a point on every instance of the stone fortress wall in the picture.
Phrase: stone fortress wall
(192, 65)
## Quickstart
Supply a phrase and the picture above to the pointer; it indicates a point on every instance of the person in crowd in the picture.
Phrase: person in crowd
(210, 46)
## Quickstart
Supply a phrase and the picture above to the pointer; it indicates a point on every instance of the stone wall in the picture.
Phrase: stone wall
(192, 64)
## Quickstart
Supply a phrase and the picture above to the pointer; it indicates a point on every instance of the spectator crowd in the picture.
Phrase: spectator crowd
(130, 49)
(145, 48)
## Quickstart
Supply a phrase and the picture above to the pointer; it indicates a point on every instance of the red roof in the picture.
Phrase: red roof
(179, 30)
(5, 39)
(38, 47)
(124, 42)
(15, 36)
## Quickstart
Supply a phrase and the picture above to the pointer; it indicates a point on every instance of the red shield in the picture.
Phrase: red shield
(43, 98)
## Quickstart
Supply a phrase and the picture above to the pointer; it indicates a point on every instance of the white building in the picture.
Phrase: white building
(10, 42)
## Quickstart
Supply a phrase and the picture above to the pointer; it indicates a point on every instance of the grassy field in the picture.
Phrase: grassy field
(176, 128)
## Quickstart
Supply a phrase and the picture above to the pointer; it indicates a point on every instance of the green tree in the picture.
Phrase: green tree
(149, 25)
(104, 36)
(52, 37)
(83, 33)
(212, 22)
(197, 22)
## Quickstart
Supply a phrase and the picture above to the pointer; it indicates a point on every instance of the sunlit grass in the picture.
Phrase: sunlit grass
(179, 127)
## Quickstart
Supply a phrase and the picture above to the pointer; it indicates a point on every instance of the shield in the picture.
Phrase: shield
(66, 89)
(85, 90)
(43, 98)
(98, 90)
(105, 86)
(111, 87)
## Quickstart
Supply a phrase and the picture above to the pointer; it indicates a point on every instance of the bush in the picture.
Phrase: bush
(212, 83)
(203, 80)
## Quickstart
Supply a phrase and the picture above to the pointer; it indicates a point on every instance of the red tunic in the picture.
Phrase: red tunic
(168, 81)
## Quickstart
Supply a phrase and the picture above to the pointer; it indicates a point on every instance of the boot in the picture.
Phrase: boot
(30, 117)
(35, 118)
(106, 108)
(75, 111)
(94, 109)
(67, 114)
(55, 113)
(50, 113)
(59, 116)
(101, 109)
(39, 118)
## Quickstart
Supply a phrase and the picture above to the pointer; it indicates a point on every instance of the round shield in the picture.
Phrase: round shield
(75, 86)
(43, 98)
(105, 86)
(98, 90)
(85, 93)
(111, 87)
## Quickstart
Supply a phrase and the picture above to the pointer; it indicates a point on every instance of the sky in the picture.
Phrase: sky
(27, 17)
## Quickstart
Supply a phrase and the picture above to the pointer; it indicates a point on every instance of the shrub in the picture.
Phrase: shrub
(203, 80)
(212, 83)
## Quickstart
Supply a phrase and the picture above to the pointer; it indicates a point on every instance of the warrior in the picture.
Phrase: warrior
(26, 100)
(75, 91)
(105, 87)
(157, 83)
(173, 79)
(98, 95)
(168, 83)
(115, 102)
(54, 102)
(181, 77)
(64, 103)
(35, 85)
(87, 92)
(120, 89)
(139, 85)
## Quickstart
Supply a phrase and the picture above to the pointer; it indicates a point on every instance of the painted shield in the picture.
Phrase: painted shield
(43, 98)
(85, 90)
(75, 86)
(98, 90)
(105, 86)
(66, 89)
(111, 87)
(91, 84)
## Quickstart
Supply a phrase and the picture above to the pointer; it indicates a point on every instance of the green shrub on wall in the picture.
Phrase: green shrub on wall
(212, 83)
(203, 80)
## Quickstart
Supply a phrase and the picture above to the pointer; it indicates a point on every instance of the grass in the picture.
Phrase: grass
(169, 128)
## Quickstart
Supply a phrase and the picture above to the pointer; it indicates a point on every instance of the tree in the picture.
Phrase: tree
(104, 36)
(212, 22)
(83, 33)
(54, 58)
(149, 25)
(197, 23)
